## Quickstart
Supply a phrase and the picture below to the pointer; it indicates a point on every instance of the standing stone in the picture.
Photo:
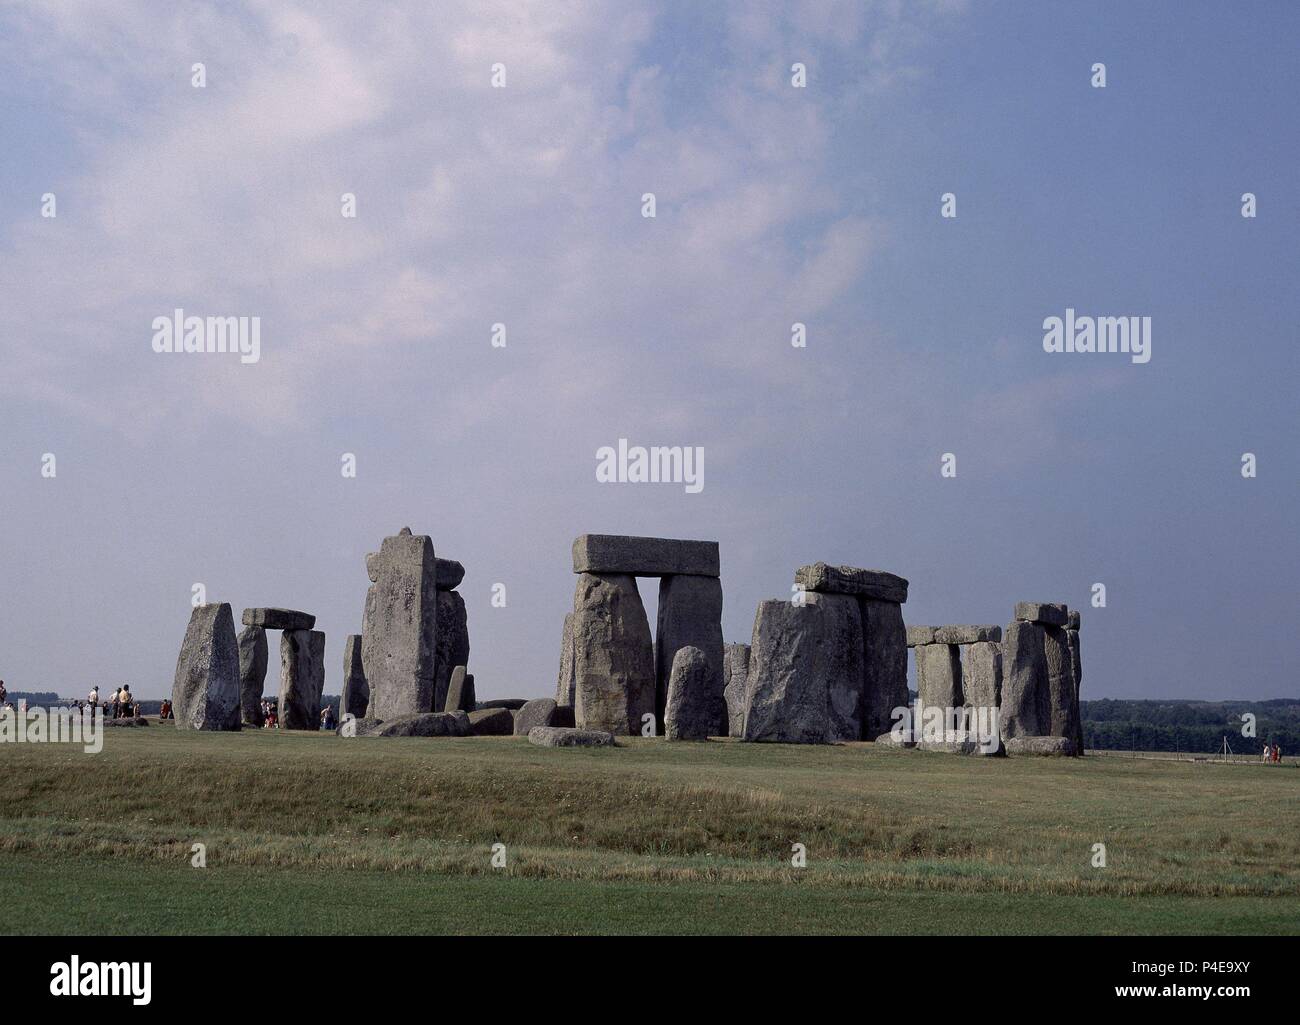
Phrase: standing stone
(253, 658)
(538, 712)
(205, 691)
(884, 664)
(691, 709)
(453, 643)
(735, 678)
(1076, 672)
(938, 675)
(981, 675)
(806, 672)
(1060, 684)
(460, 691)
(368, 628)
(564, 695)
(690, 613)
(302, 679)
(400, 656)
(613, 655)
(356, 690)
(1026, 707)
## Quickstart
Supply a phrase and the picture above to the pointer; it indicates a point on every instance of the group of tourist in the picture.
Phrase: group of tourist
(121, 705)
(1272, 752)
(270, 715)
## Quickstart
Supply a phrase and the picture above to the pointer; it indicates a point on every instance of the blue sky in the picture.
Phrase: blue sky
(522, 206)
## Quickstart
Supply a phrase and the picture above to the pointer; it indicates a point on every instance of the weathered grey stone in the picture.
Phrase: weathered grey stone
(453, 643)
(690, 713)
(538, 712)
(735, 678)
(492, 722)
(1060, 684)
(938, 675)
(953, 747)
(967, 634)
(460, 692)
(889, 740)
(361, 726)
(134, 720)
(356, 690)
(806, 672)
(449, 574)
(400, 650)
(918, 635)
(690, 613)
(564, 687)
(253, 659)
(1047, 613)
(424, 724)
(613, 655)
(1026, 705)
(372, 566)
(865, 583)
(1072, 620)
(514, 704)
(561, 736)
(884, 661)
(981, 675)
(205, 691)
(279, 619)
(1047, 746)
(1076, 671)
(644, 556)
(368, 633)
(302, 678)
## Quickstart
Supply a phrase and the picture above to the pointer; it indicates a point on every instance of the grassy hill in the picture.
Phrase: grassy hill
(312, 833)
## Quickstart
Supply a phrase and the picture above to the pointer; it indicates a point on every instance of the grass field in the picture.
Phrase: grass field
(311, 833)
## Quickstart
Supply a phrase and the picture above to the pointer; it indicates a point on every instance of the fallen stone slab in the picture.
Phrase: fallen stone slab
(967, 634)
(302, 679)
(735, 677)
(133, 720)
(205, 691)
(866, 583)
(514, 704)
(918, 635)
(538, 712)
(460, 692)
(492, 722)
(279, 619)
(690, 615)
(253, 659)
(955, 747)
(1060, 747)
(424, 724)
(889, 740)
(356, 689)
(644, 556)
(1047, 613)
(448, 574)
(613, 655)
(560, 736)
(360, 726)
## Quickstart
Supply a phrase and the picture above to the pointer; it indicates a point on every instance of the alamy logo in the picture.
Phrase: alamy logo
(102, 979)
(939, 724)
(54, 726)
(1098, 334)
(179, 333)
(655, 465)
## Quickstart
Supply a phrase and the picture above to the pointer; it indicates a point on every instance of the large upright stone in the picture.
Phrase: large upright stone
(205, 691)
(938, 675)
(613, 655)
(644, 556)
(452, 645)
(981, 675)
(356, 689)
(1060, 684)
(691, 712)
(1026, 706)
(400, 657)
(368, 626)
(253, 659)
(735, 677)
(690, 613)
(806, 672)
(460, 692)
(279, 619)
(302, 679)
(1076, 672)
(564, 687)
(884, 665)
(864, 583)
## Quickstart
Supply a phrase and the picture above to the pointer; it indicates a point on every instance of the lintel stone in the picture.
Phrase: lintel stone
(644, 556)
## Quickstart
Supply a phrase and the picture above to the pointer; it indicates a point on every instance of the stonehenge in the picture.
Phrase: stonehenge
(298, 672)
(253, 658)
(355, 697)
(1040, 693)
(611, 673)
(958, 668)
(735, 676)
(206, 688)
(302, 678)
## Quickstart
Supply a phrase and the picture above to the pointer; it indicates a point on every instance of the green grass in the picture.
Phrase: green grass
(311, 833)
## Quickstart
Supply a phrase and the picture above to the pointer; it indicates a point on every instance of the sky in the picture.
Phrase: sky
(774, 205)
